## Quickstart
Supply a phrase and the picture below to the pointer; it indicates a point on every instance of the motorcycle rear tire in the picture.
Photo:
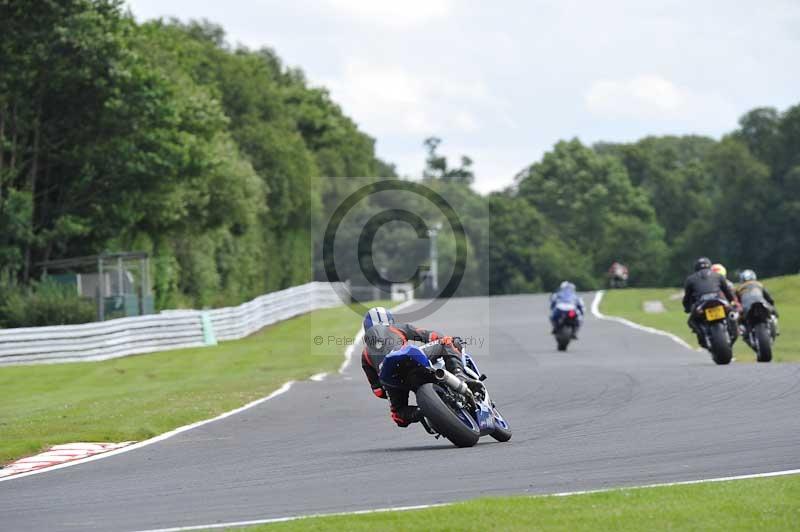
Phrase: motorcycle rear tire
(721, 350)
(443, 419)
(563, 336)
(763, 343)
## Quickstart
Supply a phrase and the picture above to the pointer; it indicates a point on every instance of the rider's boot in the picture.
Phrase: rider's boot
(403, 416)
(701, 339)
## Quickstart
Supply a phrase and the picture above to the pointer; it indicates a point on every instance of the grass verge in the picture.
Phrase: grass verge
(753, 504)
(629, 303)
(137, 397)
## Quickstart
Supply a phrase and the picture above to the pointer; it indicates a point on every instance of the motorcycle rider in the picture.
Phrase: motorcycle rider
(566, 294)
(720, 269)
(617, 274)
(702, 282)
(751, 291)
(382, 336)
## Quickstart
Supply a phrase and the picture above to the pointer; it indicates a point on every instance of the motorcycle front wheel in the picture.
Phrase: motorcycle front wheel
(501, 433)
(457, 426)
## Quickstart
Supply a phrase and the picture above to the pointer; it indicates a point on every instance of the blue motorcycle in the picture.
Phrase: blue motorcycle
(450, 408)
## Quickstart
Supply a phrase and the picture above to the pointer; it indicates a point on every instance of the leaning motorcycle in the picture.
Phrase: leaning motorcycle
(760, 330)
(717, 322)
(449, 407)
(567, 322)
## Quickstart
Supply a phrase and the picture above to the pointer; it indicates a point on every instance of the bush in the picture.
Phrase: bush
(44, 303)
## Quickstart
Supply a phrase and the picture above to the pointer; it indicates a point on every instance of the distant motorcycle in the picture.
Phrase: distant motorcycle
(617, 282)
(449, 407)
(617, 276)
(759, 330)
(567, 323)
(717, 322)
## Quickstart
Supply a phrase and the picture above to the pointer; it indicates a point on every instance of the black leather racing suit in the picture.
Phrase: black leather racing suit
(700, 283)
(381, 339)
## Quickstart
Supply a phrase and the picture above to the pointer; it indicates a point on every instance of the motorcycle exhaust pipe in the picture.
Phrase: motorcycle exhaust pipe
(452, 382)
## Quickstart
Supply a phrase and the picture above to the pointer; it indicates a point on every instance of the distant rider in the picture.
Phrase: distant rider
(752, 291)
(382, 336)
(566, 294)
(618, 274)
(702, 282)
(720, 269)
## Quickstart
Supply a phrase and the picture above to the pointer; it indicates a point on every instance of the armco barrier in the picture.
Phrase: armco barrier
(172, 329)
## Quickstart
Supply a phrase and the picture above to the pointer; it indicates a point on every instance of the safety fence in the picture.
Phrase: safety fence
(173, 329)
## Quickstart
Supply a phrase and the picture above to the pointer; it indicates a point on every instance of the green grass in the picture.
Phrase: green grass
(754, 504)
(628, 303)
(134, 398)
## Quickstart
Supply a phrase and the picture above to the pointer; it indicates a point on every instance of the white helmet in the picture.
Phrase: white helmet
(377, 315)
(747, 275)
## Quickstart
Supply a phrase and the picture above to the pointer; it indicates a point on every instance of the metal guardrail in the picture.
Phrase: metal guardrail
(173, 329)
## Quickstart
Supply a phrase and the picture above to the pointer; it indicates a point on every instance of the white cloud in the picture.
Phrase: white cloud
(386, 99)
(502, 84)
(465, 121)
(642, 96)
(405, 14)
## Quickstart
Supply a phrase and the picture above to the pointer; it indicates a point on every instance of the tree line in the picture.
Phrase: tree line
(162, 137)
(655, 205)
(659, 203)
(222, 163)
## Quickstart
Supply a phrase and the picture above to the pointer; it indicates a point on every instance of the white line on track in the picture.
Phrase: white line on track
(348, 355)
(598, 297)
(283, 389)
(234, 524)
(295, 518)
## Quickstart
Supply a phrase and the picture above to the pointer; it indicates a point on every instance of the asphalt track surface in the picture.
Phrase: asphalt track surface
(621, 408)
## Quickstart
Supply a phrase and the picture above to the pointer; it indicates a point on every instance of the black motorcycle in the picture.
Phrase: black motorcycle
(759, 330)
(717, 324)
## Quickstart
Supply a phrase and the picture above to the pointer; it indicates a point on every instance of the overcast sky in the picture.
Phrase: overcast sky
(503, 83)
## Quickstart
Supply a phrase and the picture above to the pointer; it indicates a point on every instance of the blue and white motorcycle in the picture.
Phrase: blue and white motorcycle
(450, 408)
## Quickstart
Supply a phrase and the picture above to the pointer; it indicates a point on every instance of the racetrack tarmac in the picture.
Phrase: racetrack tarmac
(621, 408)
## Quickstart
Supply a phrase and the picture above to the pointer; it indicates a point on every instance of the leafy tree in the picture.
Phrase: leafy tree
(436, 166)
(594, 207)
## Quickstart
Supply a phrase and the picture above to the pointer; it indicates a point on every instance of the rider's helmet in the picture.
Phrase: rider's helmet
(702, 263)
(747, 275)
(720, 269)
(566, 286)
(377, 315)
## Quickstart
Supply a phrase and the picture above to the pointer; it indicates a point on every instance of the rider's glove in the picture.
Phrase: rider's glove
(452, 341)
(380, 393)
